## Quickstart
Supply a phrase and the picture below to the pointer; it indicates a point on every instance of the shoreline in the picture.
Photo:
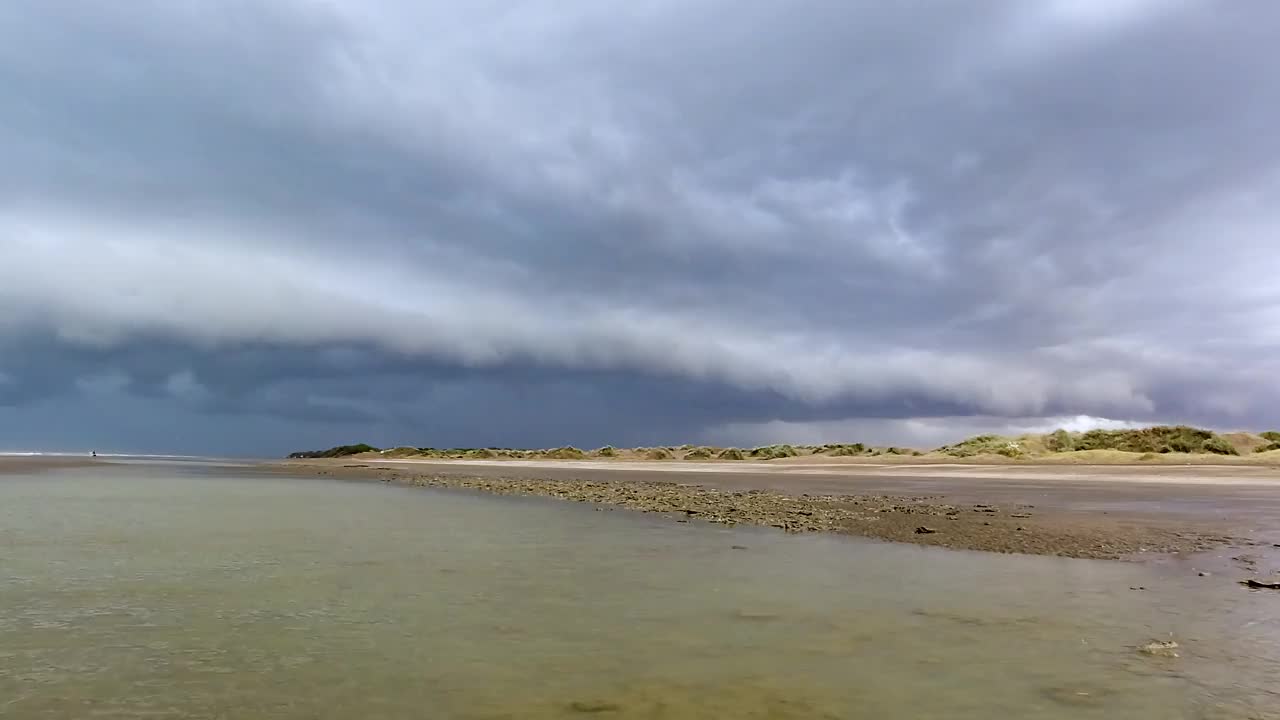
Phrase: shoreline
(841, 503)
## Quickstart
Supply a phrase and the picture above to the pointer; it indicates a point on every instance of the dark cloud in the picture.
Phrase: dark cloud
(565, 222)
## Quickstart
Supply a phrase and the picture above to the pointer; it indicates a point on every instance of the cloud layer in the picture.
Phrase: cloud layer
(556, 222)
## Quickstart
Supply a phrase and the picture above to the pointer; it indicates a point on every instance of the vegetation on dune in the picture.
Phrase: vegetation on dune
(984, 445)
(564, 453)
(401, 452)
(335, 452)
(1060, 441)
(841, 450)
(1160, 439)
(1145, 444)
(1157, 440)
(773, 452)
(1273, 441)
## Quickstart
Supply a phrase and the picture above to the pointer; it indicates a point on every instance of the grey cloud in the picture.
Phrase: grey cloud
(825, 212)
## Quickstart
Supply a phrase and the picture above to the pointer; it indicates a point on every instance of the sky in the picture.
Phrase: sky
(250, 227)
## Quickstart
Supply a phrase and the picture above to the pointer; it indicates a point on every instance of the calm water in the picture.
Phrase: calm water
(153, 592)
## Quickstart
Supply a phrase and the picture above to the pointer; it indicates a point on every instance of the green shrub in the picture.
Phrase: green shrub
(773, 452)
(1271, 435)
(606, 451)
(480, 453)
(1160, 439)
(1269, 448)
(1218, 446)
(978, 445)
(657, 454)
(1010, 451)
(1060, 441)
(698, 454)
(335, 452)
(852, 449)
(565, 453)
(731, 454)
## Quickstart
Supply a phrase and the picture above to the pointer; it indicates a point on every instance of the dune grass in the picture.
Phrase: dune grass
(1158, 444)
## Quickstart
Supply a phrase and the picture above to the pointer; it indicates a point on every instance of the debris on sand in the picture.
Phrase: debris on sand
(1160, 648)
(1262, 583)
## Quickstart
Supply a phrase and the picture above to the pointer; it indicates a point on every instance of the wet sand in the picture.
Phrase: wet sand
(1211, 514)
(13, 464)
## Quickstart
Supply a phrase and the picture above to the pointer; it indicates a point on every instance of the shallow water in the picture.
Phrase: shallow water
(165, 592)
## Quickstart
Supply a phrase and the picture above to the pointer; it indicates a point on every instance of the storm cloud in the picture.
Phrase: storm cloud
(248, 227)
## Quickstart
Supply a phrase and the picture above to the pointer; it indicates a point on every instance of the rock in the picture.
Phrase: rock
(1160, 648)
(925, 530)
(1020, 515)
(737, 547)
(1204, 574)
(1262, 583)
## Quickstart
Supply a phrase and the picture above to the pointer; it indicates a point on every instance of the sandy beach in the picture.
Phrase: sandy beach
(1216, 514)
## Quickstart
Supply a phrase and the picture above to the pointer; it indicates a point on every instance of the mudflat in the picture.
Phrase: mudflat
(1216, 515)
